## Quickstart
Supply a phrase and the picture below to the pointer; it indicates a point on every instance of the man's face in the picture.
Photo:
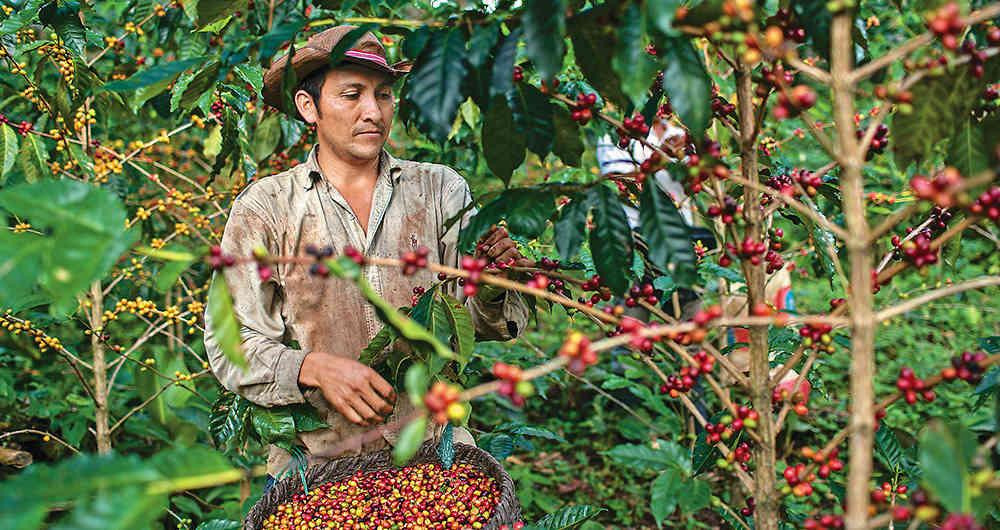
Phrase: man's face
(355, 111)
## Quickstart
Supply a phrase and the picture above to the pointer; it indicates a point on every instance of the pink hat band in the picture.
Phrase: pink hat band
(357, 54)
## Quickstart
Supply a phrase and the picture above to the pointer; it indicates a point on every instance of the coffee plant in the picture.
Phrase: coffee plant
(850, 147)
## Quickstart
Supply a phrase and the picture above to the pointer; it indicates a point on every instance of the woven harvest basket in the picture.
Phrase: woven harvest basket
(508, 511)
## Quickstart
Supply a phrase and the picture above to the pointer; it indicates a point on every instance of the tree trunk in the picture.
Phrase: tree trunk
(100, 368)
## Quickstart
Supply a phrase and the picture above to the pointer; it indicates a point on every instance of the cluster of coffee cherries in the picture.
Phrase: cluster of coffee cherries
(643, 293)
(423, 496)
(475, 267)
(263, 259)
(828, 462)
(649, 166)
(916, 250)
(518, 74)
(785, 182)
(879, 142)
(748, 249)
(939, 189)
(705, 166)
(217, 260)
(414, 260)
(817, 336)
(581, 111)
(912, 386)
(977, 58)
(685, 379)
(798, 480)
(634, 126)
(792, 102)
(727, 211)
(988, 204)
(512, 385)
(773, 78)
(886, 494)
(442, 403)
(722, 108)
(747, 511)
(516, 526)
(218, 106)
(728, 426)
(797, 394)
(784, 20)
(576, 348)
(946, 24)
(601, 292)
(319, 268)
(966, 367)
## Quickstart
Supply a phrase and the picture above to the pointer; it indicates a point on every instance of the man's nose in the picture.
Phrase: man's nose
(370, 109)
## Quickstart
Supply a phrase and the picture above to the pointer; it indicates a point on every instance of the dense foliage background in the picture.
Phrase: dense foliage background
(127, 127)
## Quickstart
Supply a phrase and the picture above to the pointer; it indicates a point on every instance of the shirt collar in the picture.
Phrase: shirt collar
(390, 169)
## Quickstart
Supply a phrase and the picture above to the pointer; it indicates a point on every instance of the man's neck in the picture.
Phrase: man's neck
(347, 174)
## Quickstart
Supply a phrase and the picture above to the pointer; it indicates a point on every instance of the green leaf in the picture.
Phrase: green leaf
(306, 417)
(660, 16)
(252, 74)
(594, 45)
(159, 73)
(502, 77)
(611, 240)
(219, 524)
(21, 17)
(503, 145)
(526, 211)
(33, 159)
(225, 328)
(202, 82)
(122, 509)
(8, 151)
(533, 116)
(946, 453)
(666, 233)
(644, 457)
(887, 449)
(636, 69)
(84, 236)
(372, 354)
(946, 102)
(664, 494)
(434, 85)
(816, 19)
(282, 32)
(571, 227)
(695, 496)
(688, 84)
(227, 421)
(567, 517)
(190, 461)
(409, 441)
(273, 426)
(497, 444)
(544, 30)
(64, 17)
(967, 150)
(484, 38)
(417, 383)
(210, 11)
(990, 344)
(566, 144)
(462, 327)
(266, 138)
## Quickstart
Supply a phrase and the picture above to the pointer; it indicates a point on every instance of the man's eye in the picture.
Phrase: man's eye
(385, 95)
(351, 95)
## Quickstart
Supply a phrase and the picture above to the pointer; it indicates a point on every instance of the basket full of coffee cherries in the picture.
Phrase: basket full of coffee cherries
(368, 491)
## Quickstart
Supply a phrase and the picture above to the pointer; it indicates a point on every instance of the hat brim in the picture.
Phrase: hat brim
(306, 61)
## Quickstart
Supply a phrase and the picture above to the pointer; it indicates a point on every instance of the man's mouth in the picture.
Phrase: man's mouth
(379, 133)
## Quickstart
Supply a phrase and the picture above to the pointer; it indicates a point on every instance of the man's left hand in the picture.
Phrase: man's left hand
(497, 246)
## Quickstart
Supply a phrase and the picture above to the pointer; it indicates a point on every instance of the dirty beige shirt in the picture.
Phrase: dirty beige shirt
(286, 212)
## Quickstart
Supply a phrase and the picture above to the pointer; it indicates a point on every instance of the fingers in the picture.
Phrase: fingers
(525, 262)
(502, 246)
(381, 386)
(374, 401)
(512, 253)
(345, 410)
(365, 411)
(495, 234)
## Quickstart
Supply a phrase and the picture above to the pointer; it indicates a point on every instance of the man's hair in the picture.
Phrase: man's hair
(313, 85)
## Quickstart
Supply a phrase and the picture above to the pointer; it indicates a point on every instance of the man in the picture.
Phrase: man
(349, 191)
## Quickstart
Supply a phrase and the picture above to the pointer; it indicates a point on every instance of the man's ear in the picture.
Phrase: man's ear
(306, 106)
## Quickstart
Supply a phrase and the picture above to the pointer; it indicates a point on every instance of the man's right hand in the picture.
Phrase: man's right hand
(355, 390)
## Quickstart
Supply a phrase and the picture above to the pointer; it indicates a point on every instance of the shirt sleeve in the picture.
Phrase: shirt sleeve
(497, 315)
(271, 378)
